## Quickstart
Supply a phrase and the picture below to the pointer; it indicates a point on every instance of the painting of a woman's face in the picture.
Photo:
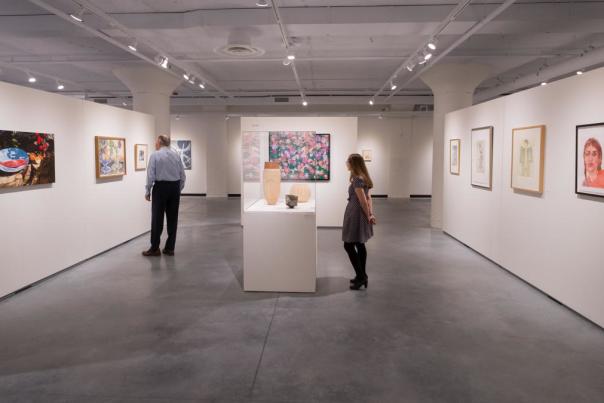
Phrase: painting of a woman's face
(592, 159)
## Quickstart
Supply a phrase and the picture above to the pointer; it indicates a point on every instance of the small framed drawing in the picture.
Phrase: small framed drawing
(482, 157)
(589, 175)
(454, 156)
(367, 155)
(140, 156)
(528, 155)
(110, 156)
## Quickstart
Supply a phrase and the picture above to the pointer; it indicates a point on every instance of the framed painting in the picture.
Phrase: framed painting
(183, 148)
(482, 157)
(110, 156)
(528, 154)
(302, 155)
(26, 159)
(454, 156)
(141, 153)
(367, 155)
(589, 175)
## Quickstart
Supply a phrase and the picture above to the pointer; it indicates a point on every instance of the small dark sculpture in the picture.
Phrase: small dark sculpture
(291, 201)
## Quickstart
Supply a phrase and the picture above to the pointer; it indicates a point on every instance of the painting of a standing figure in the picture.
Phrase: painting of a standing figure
(482, 163)
(528, 157)
(26, 159)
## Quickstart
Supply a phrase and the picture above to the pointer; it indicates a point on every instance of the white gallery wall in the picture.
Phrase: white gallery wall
(553, 240)
(402, 154)
(332, 195)
(54, 226)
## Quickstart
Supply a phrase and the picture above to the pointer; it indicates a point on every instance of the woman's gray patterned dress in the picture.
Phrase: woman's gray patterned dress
(356, 227)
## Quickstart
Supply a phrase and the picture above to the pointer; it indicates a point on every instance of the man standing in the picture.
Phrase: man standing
(166, 176)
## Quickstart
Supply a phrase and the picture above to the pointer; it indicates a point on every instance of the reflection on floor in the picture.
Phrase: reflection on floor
(439, 323)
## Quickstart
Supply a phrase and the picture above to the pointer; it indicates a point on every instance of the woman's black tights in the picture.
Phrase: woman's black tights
(358, 257)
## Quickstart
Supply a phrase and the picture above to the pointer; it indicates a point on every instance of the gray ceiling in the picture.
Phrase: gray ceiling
(345, 49)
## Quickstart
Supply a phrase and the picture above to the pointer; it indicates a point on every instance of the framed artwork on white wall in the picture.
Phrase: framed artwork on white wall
(528, 156)
(589, 175)
(482, 157)
(141, 152)
(454, 156)
(367, 155)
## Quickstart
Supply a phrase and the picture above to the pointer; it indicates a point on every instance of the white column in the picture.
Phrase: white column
(151, 90)
(453, 86)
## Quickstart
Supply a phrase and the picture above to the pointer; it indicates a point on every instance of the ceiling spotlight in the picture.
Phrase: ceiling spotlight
(291, 57)
(579, 72)
(371, 102)
(392, 86)
(262, 3)
(427, 56)
(286, 62)
(60, 86)
(410, 67)
(186, 76)
(124, 103)
(432, 45)
(163, 62)
(31, 79)
(304, 103)
(79, 16)
(202, 86)
(132, 46)
(544, 83)
(423, 61)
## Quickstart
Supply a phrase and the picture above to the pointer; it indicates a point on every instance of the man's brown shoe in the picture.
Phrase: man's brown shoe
(152, 252)
(168, 252)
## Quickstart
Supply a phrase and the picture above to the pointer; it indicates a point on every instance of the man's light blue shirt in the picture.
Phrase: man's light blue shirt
(165, 165)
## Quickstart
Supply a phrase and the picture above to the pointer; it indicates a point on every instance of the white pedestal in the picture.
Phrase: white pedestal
(280, 248)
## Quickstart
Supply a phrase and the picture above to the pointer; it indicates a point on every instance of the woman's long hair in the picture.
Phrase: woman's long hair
(359, 169)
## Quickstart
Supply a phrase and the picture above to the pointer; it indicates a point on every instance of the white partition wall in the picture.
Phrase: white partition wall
(554, 240)
(51, 227)
(331, 196)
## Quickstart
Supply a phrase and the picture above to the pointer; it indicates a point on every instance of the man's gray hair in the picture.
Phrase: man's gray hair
(164, 140)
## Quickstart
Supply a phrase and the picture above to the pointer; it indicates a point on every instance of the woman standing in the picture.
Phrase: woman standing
(358, 219)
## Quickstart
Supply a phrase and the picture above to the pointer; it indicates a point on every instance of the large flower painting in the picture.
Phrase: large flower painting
(302, 155)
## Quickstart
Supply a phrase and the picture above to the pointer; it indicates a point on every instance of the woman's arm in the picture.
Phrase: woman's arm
(360, 192)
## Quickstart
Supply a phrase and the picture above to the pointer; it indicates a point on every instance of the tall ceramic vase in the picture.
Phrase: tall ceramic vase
(272, 182)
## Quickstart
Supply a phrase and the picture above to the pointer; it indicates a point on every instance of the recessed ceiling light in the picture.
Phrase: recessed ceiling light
(291, 57)
(544, 83)
(371, 102)
(32, 79)
(262, 3)
(579, 72)
(60, 86)
(304, 103)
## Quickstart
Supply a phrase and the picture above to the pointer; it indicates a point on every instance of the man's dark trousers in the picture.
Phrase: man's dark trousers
(165, 199)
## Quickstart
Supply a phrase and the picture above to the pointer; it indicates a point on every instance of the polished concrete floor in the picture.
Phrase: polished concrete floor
(439, 323)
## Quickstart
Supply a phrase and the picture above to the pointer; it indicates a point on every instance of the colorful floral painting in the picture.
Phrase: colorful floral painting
(110, 156)
(303, 155)
(250, 156)
(26, 159)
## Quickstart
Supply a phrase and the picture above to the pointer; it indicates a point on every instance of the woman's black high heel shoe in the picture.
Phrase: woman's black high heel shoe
(358, 284)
